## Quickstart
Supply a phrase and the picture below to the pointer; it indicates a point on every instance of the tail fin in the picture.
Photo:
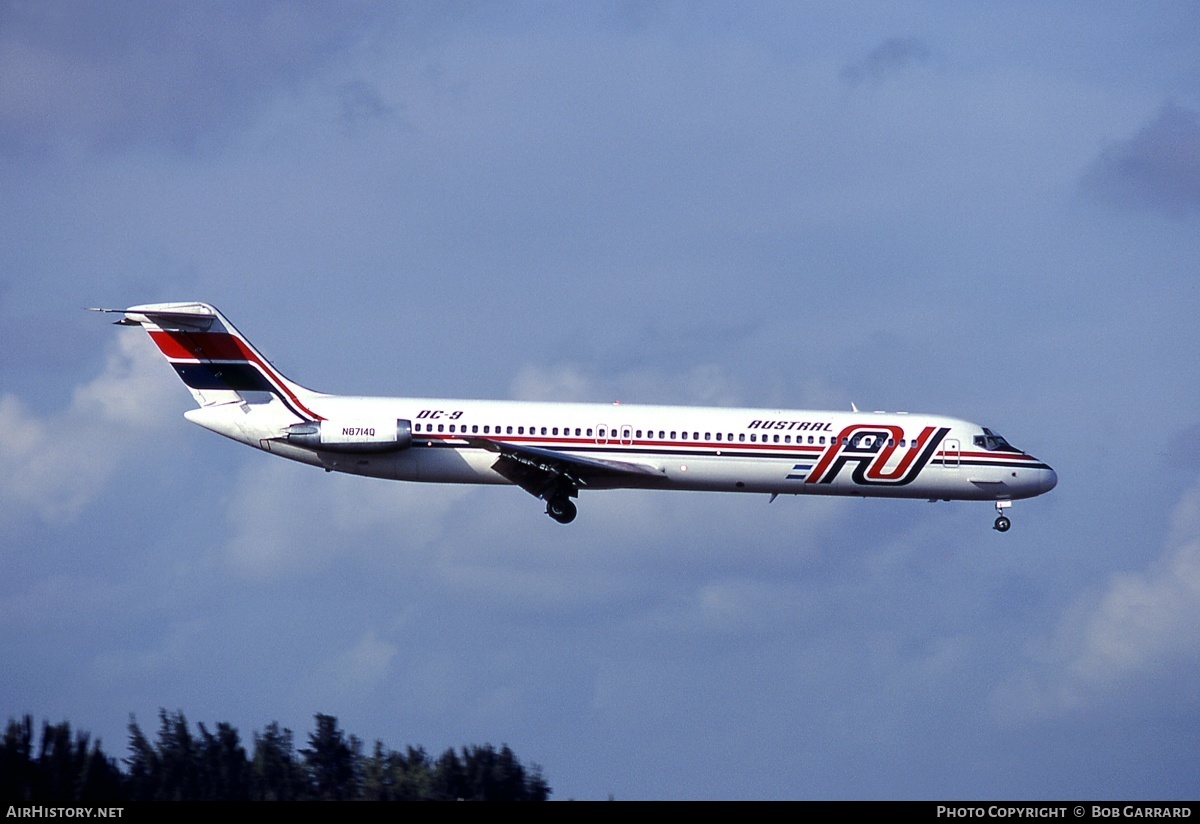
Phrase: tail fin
(216, 363)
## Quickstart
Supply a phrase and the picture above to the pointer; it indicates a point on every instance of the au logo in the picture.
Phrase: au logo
(875, 455)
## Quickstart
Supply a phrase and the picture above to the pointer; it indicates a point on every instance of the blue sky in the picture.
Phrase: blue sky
(991, 212)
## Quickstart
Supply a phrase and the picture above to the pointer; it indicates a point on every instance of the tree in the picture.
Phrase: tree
(379, 775)
(65, 769)
(18, 772)
(213, 765)
(60, 763)
(333, 762)
(450, 778)
(414, 779)
(274, 773)
(177, 755)
(145, 773)
(224, 770)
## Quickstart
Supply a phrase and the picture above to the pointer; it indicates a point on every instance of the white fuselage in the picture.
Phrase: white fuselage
(697, 448)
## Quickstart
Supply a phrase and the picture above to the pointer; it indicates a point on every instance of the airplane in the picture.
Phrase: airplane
(554, 451)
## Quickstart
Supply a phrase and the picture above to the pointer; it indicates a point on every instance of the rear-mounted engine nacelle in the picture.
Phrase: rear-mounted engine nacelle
(351, 436)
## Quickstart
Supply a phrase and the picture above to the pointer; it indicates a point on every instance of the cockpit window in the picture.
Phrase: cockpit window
(992, 442)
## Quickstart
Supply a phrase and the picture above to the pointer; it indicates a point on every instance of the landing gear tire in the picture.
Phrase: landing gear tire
(1002, 524)
(561, 509)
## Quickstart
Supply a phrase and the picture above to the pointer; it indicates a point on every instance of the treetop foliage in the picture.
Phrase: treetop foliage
(210, 766)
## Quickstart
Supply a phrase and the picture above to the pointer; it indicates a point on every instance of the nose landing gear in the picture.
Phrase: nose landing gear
(1002, 522)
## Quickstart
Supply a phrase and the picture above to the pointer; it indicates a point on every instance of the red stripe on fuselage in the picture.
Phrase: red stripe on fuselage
(794, 451)
(1015, 456)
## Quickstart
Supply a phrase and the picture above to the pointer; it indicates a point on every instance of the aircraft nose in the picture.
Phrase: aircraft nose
(1049, 479)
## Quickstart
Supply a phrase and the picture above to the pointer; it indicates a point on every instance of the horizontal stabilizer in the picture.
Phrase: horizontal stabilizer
(183, 316)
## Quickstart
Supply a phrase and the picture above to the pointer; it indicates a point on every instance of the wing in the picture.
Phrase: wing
(542, 472)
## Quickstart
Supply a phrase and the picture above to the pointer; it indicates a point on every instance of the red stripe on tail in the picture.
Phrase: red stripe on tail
(202, 346)
(222, 346)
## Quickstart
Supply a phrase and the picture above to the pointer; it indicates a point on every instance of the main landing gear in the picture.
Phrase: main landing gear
(1002, 523)
(559, 505)
(561, 508)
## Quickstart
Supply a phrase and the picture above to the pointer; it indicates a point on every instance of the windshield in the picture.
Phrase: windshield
(992, 442)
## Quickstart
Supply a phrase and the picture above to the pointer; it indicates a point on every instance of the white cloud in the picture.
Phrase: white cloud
(1139, 633)
(703, 384)
(288, 518)
(55, 464)
(1158, 168)
(890, 58)
(135, 390)
(732, 606)
(562, 382)
(362, 667)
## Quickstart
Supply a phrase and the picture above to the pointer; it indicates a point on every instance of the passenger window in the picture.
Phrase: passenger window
(742, 437)
(684, 434)
(708, 436)
(718, 436)
(543, 430)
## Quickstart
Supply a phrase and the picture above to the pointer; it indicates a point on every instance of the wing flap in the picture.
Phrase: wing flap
(539, 471)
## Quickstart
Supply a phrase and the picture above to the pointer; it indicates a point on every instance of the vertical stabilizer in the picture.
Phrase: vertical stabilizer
(216, 363)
